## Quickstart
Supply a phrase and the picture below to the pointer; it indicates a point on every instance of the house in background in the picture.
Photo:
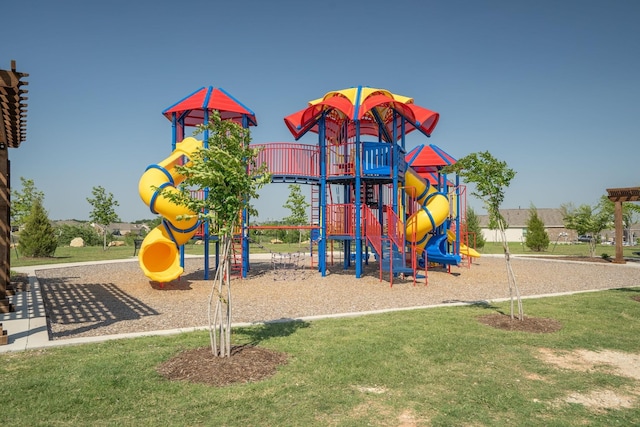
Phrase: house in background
(517, 222)
(124, 228)
(117, 228)
(553, 223)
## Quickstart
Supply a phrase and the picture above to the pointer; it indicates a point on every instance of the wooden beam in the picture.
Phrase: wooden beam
(629, 194)
(618, 221)
(12, 107)
(9, 78)
(5, 234)
(12, 133)
(618, 196)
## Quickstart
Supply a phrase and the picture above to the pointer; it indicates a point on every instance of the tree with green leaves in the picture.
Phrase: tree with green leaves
(490, 178)
(587, 220)
(297, 204)
(38, 239)
(537, 238)
(228, 169)
(630, 211)
(23, 201)
(103, 212)
(66, 233)
(472, 223)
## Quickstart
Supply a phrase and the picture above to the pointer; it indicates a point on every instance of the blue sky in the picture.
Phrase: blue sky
(550, 87)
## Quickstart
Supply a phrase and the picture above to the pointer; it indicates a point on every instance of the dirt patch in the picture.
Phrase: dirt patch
(246, 364)
(617, 363)
(538, 325)
(602, 399)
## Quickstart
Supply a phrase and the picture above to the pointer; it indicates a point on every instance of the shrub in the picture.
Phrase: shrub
(129, 238)
(537, 238)
(38, 239)
(473, 226)
(66, 233)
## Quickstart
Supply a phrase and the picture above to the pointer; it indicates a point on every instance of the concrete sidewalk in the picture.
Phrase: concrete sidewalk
(26, 327)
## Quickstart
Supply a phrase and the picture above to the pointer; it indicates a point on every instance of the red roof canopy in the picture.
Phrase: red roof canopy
(192, 108)
(374, 110)
(428, 157)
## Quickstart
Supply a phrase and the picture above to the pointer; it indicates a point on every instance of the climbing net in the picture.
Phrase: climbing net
(287, 266)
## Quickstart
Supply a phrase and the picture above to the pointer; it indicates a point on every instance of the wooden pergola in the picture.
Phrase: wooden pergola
(13, 130)
(619, 196)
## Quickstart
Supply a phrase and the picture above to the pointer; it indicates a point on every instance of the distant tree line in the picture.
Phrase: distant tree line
(37, 237)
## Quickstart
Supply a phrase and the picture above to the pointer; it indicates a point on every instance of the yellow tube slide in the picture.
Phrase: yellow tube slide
(464, 250)
(434, 211)
(159, 255)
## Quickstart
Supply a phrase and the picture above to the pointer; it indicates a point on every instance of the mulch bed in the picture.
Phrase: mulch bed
(538, 325)
(246, 364)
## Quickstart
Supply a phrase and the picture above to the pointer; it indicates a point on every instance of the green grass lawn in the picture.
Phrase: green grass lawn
(434, 367)
(66, 254)
(574, 249)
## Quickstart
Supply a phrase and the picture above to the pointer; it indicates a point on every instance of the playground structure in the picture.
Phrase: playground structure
(367, 193)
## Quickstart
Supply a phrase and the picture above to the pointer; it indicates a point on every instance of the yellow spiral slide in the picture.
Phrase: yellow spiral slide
(434, 211)
(159, 255)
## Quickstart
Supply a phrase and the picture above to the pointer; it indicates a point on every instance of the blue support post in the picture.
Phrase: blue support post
(457, 250)
(394, 159)
(346, 243)
(173, 131)
(205, 238)
(395, 181)
(358, 203)
(403, 220)
(322, 240)
(245, 223)
(174, 141)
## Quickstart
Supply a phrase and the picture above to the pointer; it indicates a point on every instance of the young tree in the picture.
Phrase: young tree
(103, 212)
(537, 238)
(22, 201)
(228, 169)
(473, 227)
(629, 212)
(491, 177)
(38, 239)
(586, 219)
(297, 204)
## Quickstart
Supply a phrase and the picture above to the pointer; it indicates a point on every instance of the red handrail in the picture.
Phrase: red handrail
(372, 229)
(289, 159)
(341, 219)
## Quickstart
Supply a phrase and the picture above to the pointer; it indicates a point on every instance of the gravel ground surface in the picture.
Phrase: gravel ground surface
(106, 299)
